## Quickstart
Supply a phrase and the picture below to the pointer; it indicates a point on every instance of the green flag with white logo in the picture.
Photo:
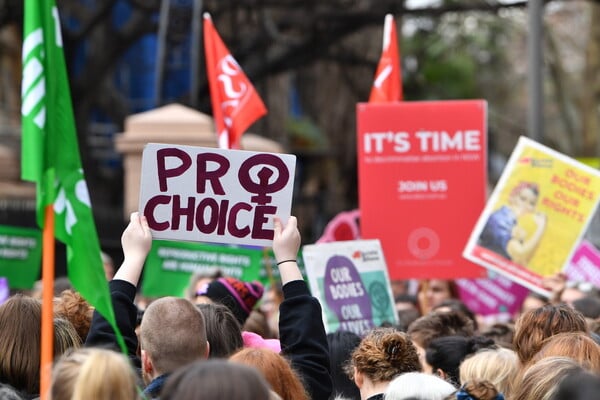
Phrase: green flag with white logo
(50, 154)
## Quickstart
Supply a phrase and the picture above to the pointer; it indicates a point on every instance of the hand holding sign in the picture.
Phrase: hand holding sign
(213, 195)
(286, 243)
(136, 242)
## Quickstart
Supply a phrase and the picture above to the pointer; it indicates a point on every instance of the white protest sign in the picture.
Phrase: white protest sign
(350, 279)
(214, 195)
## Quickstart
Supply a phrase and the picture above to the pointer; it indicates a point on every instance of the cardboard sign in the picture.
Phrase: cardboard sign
(20, 255)
(536, 215)
(585, 265)
(214, 195)
(422, 183)
(350, 279)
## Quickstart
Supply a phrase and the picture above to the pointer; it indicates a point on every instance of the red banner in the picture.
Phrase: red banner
(422, 183)
(235, 102)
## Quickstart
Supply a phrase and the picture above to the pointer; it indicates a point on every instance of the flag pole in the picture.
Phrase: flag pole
(47, 333)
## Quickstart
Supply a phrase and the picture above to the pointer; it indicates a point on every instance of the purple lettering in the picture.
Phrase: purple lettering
(178, 211)
(163, 172)
(222, 217)
(149, 212)
(211, 225)
(231, 223)
(263, 187)
(203, 174)
(260, 219)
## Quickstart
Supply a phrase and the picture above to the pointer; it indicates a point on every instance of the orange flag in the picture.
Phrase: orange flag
(235, 102)
(387, 84)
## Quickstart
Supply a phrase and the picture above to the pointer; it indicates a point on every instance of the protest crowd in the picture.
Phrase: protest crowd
(217, 343)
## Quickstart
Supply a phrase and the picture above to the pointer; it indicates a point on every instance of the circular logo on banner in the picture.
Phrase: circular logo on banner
(423, 243)
(346, 295)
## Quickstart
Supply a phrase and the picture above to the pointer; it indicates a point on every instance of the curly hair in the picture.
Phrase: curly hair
(74, 308)
(384, 354)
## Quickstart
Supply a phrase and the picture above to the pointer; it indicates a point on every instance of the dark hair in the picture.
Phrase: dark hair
(446, 353)
(501, 333)
(341, 346)
(215, 380)
(589, 306)
(438, 324)
(580, 385)
(223, 331)
(457, 305)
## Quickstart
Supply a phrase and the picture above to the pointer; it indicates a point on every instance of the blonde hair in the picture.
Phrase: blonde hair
(498, 366)
(93, 373)
(541, 380)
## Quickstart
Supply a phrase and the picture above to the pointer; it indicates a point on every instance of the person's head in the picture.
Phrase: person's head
(445, 354)
(222, 330)
(480, 390)
(341, 345)
(541, 380)
(240, 297)
(20, 326)
(576, 345)
(575, 290)
(580, 385)
(257, 323)
(589, 306)
(532, 301)
(216, 380)
(456, 305)
(418, 385)
(172, 334)
(523, 198)
(65, 337)
(432, 292)
(199, 280)
(534, 326)
(73, 307)
(438, 324)
(383, 354)
(502, 333)
(93, 373)
(275, 369)
(498, 366)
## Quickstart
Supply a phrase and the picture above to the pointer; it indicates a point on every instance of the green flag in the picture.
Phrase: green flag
(50, 154)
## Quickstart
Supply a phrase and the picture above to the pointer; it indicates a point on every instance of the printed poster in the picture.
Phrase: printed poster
(20, 255)
(536, 215)
(214, 195)
(422, 177)
(585, 264)
(350, 280)
(171, 264)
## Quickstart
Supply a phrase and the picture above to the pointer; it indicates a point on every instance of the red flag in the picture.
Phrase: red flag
(387, 84)
(235, 102)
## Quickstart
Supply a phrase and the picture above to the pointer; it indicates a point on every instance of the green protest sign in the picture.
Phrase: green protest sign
(20, 255)
(170, 265)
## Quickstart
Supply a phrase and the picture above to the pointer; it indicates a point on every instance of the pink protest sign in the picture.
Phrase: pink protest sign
(214, 195)
(585, 265)
(492, 296)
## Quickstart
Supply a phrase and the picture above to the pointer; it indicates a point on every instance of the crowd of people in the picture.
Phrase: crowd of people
(230, 339)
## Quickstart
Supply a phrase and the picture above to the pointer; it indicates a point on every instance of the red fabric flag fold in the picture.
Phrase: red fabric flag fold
(235, 103)
(387, 84)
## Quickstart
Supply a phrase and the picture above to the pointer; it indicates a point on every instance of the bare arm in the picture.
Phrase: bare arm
(136, 242)
(286, 243)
